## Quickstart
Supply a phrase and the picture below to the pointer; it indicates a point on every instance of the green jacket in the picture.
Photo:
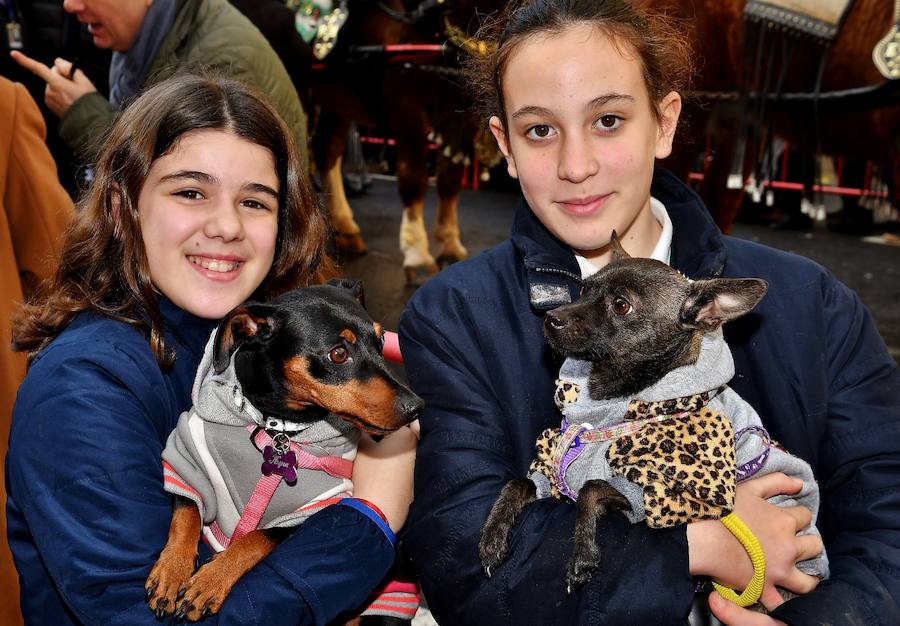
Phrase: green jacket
(208, 34)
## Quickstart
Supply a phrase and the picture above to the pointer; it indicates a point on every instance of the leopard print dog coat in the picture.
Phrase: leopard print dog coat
(668, 459)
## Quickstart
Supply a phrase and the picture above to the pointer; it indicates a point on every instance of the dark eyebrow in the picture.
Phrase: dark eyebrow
(532, 110)
(200, 177)
(602, 101)
(207, 179)
(260, 188)
(596, 103)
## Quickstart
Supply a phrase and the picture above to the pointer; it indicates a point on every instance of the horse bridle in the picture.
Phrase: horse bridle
(455, 35)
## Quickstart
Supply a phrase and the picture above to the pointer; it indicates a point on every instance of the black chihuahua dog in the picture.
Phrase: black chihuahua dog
(281, 396)
(636, 321)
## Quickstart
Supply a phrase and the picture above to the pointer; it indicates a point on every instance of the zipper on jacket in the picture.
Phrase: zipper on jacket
(554, 270)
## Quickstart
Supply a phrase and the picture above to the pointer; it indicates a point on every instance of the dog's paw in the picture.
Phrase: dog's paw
(205, 592)
(579, 571)
(199, 598)
(492, 549)
(166, 578)
(493, 546)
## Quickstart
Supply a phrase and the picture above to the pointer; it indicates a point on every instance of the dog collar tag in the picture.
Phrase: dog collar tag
(279, 459)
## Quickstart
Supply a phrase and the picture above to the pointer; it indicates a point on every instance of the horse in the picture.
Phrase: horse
(851, 122)
(413, 96)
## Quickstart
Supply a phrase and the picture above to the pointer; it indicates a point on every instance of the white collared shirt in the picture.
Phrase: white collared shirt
(661, 252)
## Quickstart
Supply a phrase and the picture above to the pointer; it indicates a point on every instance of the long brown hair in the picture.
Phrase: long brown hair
(103, 263)
(664, 50)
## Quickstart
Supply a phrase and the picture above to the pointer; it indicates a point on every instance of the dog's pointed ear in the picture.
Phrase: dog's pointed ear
(250, 322)
(618, 252)
(711, 303)
(353, 286)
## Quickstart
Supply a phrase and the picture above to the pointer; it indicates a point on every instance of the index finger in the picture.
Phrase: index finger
(797, 582)
(774, 484)
(35, 67)
(802, 515)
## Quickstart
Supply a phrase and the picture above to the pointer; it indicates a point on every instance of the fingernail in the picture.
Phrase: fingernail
(716, 601)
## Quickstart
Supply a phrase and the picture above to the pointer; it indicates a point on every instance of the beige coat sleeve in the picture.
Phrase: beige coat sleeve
(34, 211)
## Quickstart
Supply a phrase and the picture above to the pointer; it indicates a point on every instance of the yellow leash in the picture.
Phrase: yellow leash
(754, 589)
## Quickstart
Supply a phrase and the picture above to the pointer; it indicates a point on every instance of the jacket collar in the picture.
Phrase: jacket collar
(553, 275)
(128, 70)
(183, 25)
(698, 248)
(188, 331)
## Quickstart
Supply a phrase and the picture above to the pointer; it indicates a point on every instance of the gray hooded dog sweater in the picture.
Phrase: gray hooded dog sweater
(217, 453)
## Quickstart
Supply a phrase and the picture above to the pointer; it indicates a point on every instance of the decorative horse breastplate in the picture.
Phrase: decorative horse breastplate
(886, 54)
(819, 19)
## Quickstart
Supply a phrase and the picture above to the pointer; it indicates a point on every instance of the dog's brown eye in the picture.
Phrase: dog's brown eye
(621, 306)
(338, 355)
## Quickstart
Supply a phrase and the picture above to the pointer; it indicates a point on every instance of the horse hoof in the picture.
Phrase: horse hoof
(350, 244)
(417, 275)
(447, 259)
(452, 249)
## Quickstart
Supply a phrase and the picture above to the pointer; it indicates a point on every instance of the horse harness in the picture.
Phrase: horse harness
(774, 31)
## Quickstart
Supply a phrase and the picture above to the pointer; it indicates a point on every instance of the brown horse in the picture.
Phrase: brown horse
(718, 30)
(408, 96)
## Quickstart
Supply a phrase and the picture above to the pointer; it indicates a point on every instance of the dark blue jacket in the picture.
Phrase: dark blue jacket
(808, 358)
(87, 514)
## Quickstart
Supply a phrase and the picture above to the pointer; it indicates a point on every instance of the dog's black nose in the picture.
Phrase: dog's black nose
(554, 321)
(411, 408)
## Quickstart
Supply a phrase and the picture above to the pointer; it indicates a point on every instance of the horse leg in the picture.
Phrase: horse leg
(446, 230)
(347, 236)
(412, 183)
(418, 264)
(329, 142)
(723, 203)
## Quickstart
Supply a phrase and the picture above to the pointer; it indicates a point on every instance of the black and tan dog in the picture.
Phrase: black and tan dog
(281, 396)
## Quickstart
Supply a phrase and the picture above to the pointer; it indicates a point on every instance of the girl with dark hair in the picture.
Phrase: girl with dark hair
(583, 97)
(199, 203)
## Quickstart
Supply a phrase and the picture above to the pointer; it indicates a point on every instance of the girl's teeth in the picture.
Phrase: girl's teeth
(215, 266)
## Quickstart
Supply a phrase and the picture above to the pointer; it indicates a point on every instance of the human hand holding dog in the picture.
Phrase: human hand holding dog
(715, 552)
(62, 89)
(383, 473)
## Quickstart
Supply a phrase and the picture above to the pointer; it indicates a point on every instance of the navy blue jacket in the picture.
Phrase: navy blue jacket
(808, 358)
(87, 514)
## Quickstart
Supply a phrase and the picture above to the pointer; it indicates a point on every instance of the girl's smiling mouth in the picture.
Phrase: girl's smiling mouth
(220, 266)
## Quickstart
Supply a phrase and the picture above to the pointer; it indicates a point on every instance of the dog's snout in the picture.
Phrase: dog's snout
(410, 407)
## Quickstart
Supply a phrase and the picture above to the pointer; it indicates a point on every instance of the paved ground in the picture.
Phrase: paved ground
(871, 269)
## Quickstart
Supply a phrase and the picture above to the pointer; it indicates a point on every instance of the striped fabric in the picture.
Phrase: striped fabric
(397, 598)
(174, 483)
